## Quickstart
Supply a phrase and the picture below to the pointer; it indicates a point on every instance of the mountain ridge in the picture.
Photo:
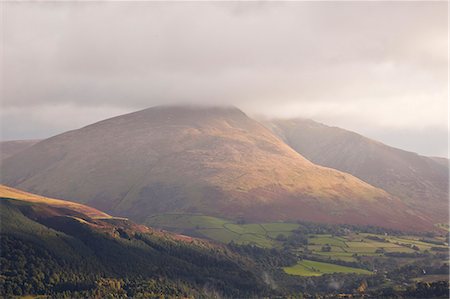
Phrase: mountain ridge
(215, 161)
(9, 148)
(420, 181)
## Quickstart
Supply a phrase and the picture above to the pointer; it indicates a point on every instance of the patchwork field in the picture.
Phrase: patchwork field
(328, 247)
(347, 248)
(313, 268)
(263, 235)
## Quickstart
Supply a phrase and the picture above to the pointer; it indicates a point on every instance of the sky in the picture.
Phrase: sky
(377, 68)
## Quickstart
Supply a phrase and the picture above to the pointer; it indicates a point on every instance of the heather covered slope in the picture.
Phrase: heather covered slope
(214, 161)
(70, 254)
(9, 148)
(7, 192)
(421, 182)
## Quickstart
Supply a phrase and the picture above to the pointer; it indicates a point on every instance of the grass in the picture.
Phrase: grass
(279, 227)
(220, 235)
(413, 241)
(256, 229)
(222, 230)
(323, 240)
(319, 248)
(185, 221)
(343, 247)
(313, 268)
(348, 248)
(265, 235)
(11, 193)
(255, 239)
(339, 256)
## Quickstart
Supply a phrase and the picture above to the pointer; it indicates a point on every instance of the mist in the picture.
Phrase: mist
(377, 68)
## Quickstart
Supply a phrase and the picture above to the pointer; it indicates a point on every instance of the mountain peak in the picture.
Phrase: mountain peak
(196, 115)
(209, 160)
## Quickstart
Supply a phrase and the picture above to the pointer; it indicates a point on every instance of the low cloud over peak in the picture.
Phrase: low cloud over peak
(368, 66)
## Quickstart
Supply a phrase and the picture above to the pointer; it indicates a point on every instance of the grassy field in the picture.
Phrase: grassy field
(185, 221)
(326, 247)
(313, 268)
(263, 235)
(344, 248)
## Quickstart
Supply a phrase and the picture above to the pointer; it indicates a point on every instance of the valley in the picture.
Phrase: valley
(335, 249)
(206, 202)
(293, 149)
(128, 259)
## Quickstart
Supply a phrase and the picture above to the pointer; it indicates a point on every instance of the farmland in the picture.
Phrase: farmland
(313, 268)
(317, 253)
(273, 234)
(263, 235)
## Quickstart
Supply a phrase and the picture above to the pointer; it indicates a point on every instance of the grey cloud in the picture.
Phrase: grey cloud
(272, 58)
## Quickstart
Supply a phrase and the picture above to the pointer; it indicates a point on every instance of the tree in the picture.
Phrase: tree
(326, 248)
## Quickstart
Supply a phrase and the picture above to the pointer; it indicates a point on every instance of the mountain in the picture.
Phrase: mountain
(213, 161)
(9, 148)
(421, 182)
(67, 250)
(441, 161)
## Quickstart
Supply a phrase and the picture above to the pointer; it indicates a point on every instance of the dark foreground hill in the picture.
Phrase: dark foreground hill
(421, 182)
(63, 249)
(214, 161)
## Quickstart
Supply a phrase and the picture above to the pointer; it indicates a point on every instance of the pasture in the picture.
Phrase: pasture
(267, 235)
(313, 268)
(221, 230)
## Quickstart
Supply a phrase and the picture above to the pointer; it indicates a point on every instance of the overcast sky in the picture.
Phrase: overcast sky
(378, 68)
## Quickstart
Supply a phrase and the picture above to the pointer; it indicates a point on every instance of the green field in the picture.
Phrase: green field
(325, 247)
(263, 235)
(185, 221)
(338, 256)
(326, 239)
(344, 248)
(313, 268)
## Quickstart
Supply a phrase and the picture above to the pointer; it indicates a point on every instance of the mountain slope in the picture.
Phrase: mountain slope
(215, 161)
(422, 182)
(7, 192)
(70, 253)
(9, 148)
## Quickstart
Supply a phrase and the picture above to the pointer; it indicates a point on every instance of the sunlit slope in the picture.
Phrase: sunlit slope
(216, 161)
(7, 192)
(421, 182)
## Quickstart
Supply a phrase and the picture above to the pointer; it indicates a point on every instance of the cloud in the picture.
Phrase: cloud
(43, 121)
(380, 64)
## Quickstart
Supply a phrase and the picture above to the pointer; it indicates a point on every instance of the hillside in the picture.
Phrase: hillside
(421, 182)
(73, 255)
(7, 192)
(214, 161)
(9, 148)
